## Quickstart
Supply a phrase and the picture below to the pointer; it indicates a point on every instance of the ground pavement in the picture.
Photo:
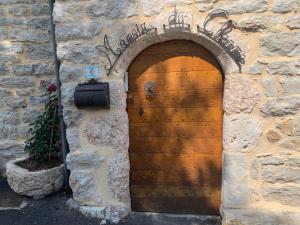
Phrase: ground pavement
(52, 210)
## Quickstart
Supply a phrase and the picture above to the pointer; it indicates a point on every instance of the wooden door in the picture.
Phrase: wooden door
(175, 135)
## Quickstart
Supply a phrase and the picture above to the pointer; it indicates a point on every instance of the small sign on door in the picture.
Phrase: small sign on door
(92, 72)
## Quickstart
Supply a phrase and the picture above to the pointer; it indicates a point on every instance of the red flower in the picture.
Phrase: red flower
(52, 88)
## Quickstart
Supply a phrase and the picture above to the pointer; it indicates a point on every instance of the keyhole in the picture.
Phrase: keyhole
(141, 111)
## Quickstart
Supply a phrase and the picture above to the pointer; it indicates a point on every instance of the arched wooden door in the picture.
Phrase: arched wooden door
(176, 134)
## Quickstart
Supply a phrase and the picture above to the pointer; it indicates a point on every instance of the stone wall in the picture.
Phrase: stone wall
(261, 182)
(25, 59)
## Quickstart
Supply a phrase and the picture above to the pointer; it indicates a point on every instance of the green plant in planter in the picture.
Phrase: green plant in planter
(43, 135)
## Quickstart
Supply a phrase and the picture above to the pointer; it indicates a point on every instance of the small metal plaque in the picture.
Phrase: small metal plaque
(92, 72)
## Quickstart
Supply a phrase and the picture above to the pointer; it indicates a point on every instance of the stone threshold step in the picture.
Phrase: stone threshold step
(141, 218)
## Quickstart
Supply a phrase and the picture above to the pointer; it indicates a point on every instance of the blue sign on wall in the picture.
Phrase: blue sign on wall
(92, 72)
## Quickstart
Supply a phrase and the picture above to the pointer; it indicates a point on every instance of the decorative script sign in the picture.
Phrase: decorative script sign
(176, 23)
(221, 36)
(112, 55)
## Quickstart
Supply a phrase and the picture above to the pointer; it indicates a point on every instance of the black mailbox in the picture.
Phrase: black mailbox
(92, 95)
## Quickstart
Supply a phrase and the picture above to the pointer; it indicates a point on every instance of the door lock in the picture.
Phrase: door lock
(141, 111)
(149, 89)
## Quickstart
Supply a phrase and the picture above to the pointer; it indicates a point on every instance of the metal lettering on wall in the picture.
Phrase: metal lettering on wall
(221, 36)
(112, 55)
(176, 23)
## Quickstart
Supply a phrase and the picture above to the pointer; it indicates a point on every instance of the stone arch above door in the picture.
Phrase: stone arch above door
(226, 62)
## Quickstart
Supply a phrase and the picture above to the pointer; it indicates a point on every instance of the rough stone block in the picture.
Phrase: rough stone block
(9, 117)
(33, 69)
(241, 132)
(111, 213)
(16, 102)
(29, 35)
(273, 136)
(7, 21)
(19, 11)
(24, 91)
(272, 44)
(151, 8)
(72, 116)
(39, 52)
(79, 54)
(241, 6)
(3, 33)
(110, 129)
(235, 175)
(83, 187)
(282, 175)
(5, 93)
(16, 2)
(73, 137)
(286, 195)
(285, 126)
(117, 94)
(30, 114)
(118, 177)
(271, 160)
(17, 82)
(290, 85)
(283, 6)
(3, 69)
(240, 94)
(255, 69)
(114, 9)
(66, 12)
(252, 216)
(12, 48)
(284, 68)
(78, 31)
(293, 162)
(8, 132)
(8, 58)
(255, 169)
(281, 106)
(40, 9)
(2, 12)
(67, 93)
(204, 5)
(9, 150)
(36, 100)
(86, 160)
(71, 72)
(291, 144)
(22, 131)
(269, 86)
(39, 23)
(293, 22)
(258, 23)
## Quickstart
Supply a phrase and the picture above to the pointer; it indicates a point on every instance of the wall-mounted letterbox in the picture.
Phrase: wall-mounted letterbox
(92, 95)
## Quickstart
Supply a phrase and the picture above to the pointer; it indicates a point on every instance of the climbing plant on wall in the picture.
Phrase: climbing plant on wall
(43, 135)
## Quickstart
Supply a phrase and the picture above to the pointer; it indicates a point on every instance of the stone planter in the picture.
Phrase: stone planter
(34, 184)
